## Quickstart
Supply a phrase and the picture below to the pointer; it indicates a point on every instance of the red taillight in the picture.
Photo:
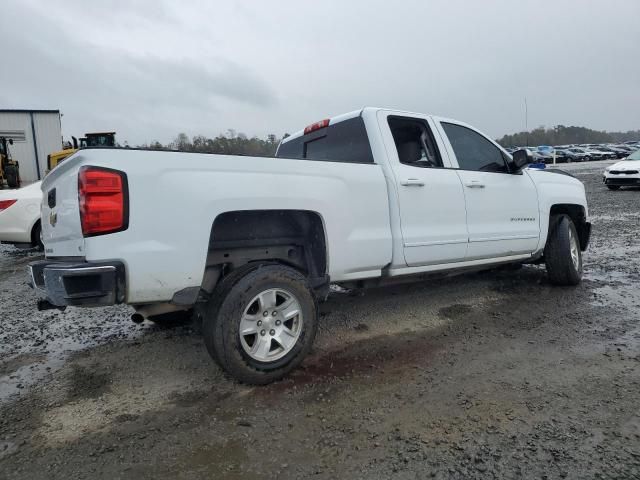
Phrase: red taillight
(317, 126)
(103, 198)
(4, 204)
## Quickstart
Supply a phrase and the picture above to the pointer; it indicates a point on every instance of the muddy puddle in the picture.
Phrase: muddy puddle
(34, 344)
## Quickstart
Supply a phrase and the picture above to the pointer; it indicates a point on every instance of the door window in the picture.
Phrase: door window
(473, 151)
(414, 142)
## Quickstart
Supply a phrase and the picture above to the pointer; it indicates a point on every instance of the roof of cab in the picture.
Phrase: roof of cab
(332, 121)
(353, 114)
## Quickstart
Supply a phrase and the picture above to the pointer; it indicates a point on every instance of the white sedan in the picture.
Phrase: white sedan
(623, 173)
(20, 215)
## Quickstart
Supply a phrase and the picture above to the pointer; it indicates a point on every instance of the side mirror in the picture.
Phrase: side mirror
(11, 141)
(521, 158)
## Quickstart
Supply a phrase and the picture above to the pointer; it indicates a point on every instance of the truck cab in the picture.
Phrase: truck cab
(455, 195)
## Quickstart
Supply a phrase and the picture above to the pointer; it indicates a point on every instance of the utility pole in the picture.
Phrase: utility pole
(526, 119)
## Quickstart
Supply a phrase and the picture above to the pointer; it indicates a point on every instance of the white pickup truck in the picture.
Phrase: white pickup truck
(251, 243)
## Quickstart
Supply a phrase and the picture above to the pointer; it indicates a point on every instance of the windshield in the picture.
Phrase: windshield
(634, 156)
(100, 140)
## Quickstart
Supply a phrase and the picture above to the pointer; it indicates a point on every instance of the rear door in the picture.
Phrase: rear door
(502, 207)
(430, 194)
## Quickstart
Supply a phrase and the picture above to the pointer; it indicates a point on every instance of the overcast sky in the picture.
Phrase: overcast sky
(150, 69)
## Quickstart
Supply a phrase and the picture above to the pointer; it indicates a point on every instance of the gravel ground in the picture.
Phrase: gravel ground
(490, 375)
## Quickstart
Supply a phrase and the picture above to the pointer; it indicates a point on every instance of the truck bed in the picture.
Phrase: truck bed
(175, 197)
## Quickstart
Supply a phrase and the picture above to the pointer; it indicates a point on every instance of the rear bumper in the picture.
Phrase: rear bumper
(85, 284)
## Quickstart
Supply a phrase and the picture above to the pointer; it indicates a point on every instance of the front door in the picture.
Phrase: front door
(430, 195)
(502, 206)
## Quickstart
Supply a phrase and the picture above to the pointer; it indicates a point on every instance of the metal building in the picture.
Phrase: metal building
(35, 134)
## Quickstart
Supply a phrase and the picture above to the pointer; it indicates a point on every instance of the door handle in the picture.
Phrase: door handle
(474, 184)
(412, 182)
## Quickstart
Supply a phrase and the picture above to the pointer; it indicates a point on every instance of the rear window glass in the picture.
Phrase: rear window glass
(346, 141)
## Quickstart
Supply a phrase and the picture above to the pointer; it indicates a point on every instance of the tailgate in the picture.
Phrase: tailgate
(61, 228)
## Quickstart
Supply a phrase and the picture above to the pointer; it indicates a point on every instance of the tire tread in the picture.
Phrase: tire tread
(560, 268)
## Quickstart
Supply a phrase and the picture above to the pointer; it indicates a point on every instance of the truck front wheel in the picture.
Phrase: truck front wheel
(562, 254)
(260, 323)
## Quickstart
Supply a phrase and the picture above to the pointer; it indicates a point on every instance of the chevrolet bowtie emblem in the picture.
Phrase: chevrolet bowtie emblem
(53, 219)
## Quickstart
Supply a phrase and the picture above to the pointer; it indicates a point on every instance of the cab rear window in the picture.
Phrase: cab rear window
(346, 141)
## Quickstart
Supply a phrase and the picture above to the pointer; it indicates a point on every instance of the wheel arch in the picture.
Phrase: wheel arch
(296, 238)
(578, 216)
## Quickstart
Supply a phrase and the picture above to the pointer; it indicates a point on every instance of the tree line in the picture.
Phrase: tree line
(562, 135)
(229, 143)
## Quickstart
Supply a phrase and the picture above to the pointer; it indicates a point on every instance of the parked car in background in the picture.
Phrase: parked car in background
(581, 153)
(624, 149)
(597, 154)
(543, 156)
(20, 216)
(627, 149)
(618, 152)
(535, 155)
(602, 153)
(624, 173)
(567, 156)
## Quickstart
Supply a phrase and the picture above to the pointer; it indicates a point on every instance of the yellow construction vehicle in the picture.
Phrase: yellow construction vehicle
(95, 139)
(55, 158)
(9, 168)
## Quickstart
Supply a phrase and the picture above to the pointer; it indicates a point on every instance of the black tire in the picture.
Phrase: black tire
(561, 268)
(223, 314)
(36, 236)
(613, 187)
(211, 309)
(11, 172)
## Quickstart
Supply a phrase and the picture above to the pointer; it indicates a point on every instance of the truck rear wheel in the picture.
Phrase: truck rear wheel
(562, 253)
(261, 323)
